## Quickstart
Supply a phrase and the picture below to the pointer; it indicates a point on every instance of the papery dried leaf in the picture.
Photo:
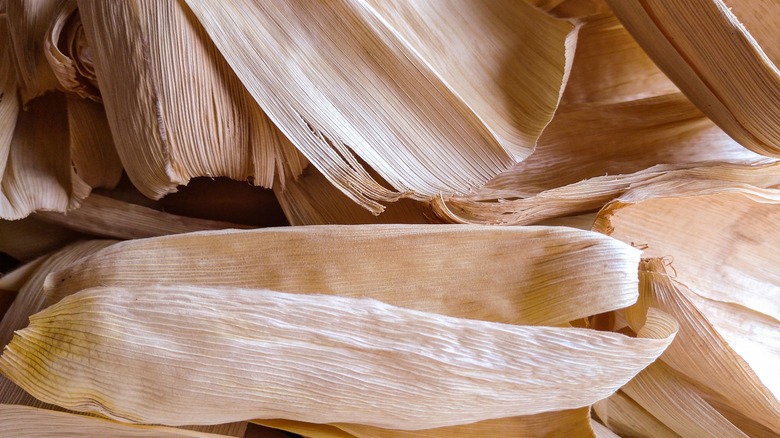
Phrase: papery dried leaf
(309, 430)
(92, 150)
(28, 23)
(64, 48)
(30, 299)
(38, 174)
(610, 67)
(423, 140)
(24, 421)
(174, 106)
(28, 238)
(699, 352)
(9, 101)
(627, 418)
(466, 271)
(570, 423)
(238, 354)
(702, 46)
(572, 9)
(506, 60)
(593, 193)
(674, 401)
(312, 200)
(601, 431)
(103, 216)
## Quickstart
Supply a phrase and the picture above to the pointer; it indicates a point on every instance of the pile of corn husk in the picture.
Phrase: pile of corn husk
(395, 218)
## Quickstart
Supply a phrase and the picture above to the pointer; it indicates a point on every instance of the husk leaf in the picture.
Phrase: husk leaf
(238, 354)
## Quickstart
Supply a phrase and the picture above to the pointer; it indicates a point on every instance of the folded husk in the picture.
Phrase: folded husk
(534, 275)
(700, 353)
(674, 401)
(28, 422)
(28, 23)
(238, 354)
(425, 138)
(38, 174)
(702, 46)
(92, 150)
(174, 106)
(28, 238)
(627, 418)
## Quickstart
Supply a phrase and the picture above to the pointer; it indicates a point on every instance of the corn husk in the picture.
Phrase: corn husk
(68, 55)
(626, 417)
(701, 354)
(463, 271)
(312, 200)
(703, 46)
(601, 431)
(92, 149)
(175, 108)
(493, 370)
(24, 421)
(429, 136)
(103, 216)
(28, 23)
(9, 103)
(675, 402)
(38, 174)
(580, 10)
(28, 238)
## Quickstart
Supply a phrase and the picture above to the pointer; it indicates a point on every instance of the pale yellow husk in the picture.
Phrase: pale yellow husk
(724, 60)
(28, 422)
(237, 354)
(433, 133)
(474, 272)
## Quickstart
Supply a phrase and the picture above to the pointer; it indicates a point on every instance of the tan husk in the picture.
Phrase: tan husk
(38, 174)
(627, 418)
(28, 238)
(674, 401)
(311, 199)
(104, 216)
(237, 354)
(428, 136)
(28, 422)
(92, 150)
(700, 353)
(465, 271)
(174, 106)
(702, 46)
(28, 23)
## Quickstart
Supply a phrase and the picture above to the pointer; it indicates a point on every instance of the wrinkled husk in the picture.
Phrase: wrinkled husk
(464, 271)
(238, 354)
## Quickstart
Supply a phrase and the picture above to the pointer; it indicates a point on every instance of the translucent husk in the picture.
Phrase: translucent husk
(703, 45)
(627, 418)
(465, 271)
(362, 368)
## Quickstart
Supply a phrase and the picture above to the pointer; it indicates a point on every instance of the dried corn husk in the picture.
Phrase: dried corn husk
(593, 193)
(581, 10)
(428, 136)
(174, 106)
(363, 368)
(627, 418)
(28, 238)
(24, 421)
(28, 23)
(725, 61)
(465, 271)
(38, 174)
(674, 401)
(66, 50)
(570, 423)
(700, 353)
(103, 216)
(312, 200)
(92, 149)
(30, 299)
(601, 431)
